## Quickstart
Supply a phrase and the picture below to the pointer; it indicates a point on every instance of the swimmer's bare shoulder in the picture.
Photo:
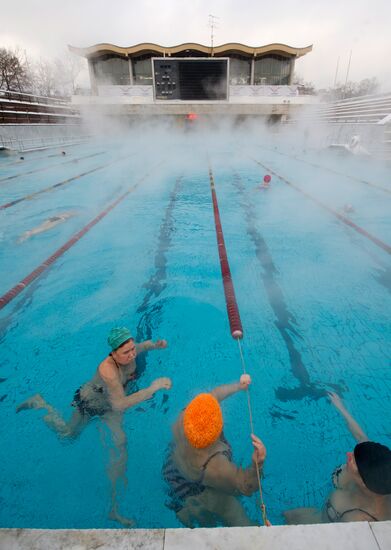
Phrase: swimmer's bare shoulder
(108, 370)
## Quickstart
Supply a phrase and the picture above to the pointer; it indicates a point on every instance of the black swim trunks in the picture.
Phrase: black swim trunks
(85, 407)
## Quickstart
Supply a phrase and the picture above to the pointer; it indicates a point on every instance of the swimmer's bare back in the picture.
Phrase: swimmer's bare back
(46, 225)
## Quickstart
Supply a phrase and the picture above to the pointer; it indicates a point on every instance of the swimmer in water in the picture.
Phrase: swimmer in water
(348, 208)
(264, 185)
(46, 225)
(362, 486)
(104, 397)
(203, 480)
(266, 182)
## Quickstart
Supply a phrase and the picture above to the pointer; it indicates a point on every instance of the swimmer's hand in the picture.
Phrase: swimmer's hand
(160, 384)
(336, 400)
(245, 381)
(160, 344)
(259, 453)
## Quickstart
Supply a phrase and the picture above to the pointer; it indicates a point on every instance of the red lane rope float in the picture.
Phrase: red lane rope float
(378, 242)
(60, 184)
(235, 322)
(17, 289)
(49, 167)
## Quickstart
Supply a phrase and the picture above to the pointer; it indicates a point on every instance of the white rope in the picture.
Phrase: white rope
(263, 507)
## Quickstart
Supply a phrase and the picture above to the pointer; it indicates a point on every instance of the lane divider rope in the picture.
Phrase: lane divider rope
(360, 180)
(49, 167)
(56, 185)
(229, 291)
(378, 242)
(17, 289)
(233, 317)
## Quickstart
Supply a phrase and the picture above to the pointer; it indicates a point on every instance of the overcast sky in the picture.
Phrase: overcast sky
(334, 28)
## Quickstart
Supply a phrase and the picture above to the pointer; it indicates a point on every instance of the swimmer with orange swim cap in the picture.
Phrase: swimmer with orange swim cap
(203, 479)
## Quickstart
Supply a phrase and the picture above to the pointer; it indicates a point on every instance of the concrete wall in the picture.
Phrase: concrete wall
(243, 100)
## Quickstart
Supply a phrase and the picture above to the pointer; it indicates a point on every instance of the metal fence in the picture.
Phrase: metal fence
(26, 137)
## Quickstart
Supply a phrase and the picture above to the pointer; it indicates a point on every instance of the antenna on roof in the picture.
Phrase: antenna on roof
(213, 26)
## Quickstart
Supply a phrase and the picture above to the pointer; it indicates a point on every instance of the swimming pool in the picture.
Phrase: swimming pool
(313, 294)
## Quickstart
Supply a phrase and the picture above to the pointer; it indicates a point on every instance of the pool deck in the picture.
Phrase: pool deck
(339, 536)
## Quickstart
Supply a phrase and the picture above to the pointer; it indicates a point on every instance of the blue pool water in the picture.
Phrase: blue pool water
(313, 294)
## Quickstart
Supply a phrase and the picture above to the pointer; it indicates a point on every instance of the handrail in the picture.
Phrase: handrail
(10, 94)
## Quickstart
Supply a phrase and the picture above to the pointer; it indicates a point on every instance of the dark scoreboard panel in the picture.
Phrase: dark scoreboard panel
(190, 79)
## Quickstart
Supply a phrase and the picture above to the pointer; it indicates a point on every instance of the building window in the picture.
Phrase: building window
(272, 70)
(142, 70)
(190, 53)
(111, 69)
(239, 70)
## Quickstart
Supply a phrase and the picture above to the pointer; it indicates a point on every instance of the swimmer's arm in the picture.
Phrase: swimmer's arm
(225, 476)
(224, 391)
(149, 345)
(353, 426)
(120, 401)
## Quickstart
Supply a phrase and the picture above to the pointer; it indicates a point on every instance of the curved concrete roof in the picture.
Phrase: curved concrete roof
(146, 47)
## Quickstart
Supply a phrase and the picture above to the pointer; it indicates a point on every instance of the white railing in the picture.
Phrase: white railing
(31, 144)
(372, 109)
(360, 123)
(25, 137)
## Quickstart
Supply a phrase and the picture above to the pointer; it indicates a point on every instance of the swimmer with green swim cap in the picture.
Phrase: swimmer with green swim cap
(105, 397)
(118, 336)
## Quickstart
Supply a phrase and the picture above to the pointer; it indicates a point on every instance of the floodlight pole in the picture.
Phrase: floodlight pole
(347, 74)
(336, 73)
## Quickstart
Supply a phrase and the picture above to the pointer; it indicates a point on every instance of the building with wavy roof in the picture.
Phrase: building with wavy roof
(229, 79)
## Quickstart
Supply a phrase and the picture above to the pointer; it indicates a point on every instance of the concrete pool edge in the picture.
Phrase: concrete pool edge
(339, 536)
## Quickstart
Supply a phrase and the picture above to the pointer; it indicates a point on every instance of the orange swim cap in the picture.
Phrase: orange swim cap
(203, 421)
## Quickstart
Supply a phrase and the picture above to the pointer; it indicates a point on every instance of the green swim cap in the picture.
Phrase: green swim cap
(118, 336)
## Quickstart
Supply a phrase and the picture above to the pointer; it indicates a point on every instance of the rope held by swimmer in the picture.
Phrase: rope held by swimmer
(233, 317)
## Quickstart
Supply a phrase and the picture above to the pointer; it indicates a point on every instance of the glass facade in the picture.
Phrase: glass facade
(111, 69)
(142, 69)
(189, 53)
(272, 70)
(239, 70)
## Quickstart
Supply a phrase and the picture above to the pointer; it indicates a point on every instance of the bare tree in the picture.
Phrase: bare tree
(367, 86)
(307, 88)
(68, 69)
(57, 76)
(44, 78)
(14, 70)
